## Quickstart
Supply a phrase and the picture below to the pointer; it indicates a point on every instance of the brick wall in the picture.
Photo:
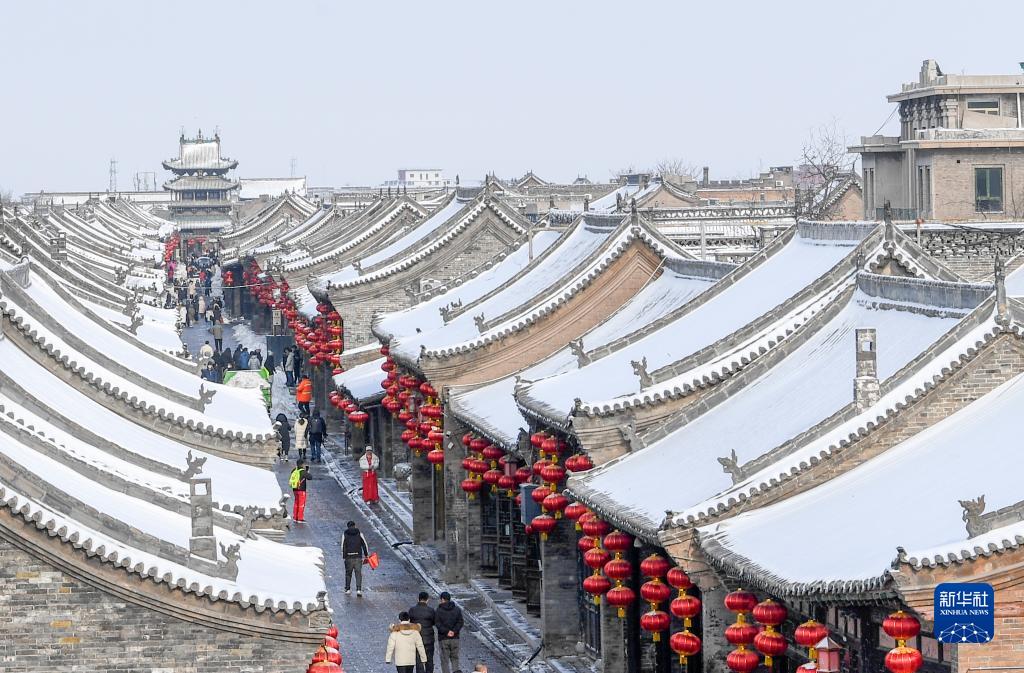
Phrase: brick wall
(51, 621)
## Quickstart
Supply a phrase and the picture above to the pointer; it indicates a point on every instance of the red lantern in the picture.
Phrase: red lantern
(620, 597)
(685, 644)
(580, 463)
(678, 578)
(555, 503)
(617, 541)
(742, 660)
(903, 659)
(810, 634)
(618, 569)
(544, 524)
(508, 484)
(655, 592)
(653, 566)
(655, 621)
(471, 486)
(552, 473)
(492, 477)
(740, 601)
(539, 466)
(593, 526)
(436, 458)
(596, 558)
(770, 613)
(585, 544)
(596, 584)
(770, 643)
(539, 494)
(358, 418)
(901, 627)
(537, 438)
(478, 444)
(686, 608)
(492, 453)
(574, 511)
(740, 633)
(331, 641)
(332, 631)
(522, 475)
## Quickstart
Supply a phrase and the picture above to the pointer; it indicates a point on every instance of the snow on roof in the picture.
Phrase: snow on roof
(764, 410)
(427, 316)
(913, 478)
(1015, 283)
(422, 230)
(776, 277)
(199, 154)
(492, 409)
(236, 484)
(254, 188)
(230, 413)
(942, 359)
(545, 272)
(363, 381)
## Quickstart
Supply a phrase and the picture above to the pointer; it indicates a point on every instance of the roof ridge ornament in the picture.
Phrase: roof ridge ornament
(730, 465)
(577, 349)
(640, 370)
(1002, 312)
(973, 510)
(628, 431)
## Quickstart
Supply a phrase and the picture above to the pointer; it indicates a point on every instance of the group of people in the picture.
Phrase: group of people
(291, 360)
(216, 361)
(411, 641)
(310, 433)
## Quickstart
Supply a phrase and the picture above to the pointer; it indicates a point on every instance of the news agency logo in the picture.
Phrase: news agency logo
(964, 613)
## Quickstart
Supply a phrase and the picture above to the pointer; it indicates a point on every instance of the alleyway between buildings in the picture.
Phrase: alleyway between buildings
(405, 569)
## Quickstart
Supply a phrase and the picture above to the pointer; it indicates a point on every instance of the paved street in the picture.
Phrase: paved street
(391, 588)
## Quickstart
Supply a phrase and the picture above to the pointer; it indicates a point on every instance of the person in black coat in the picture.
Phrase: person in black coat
(423, 614)
(448, 620)
(284, 433)
(316, 431)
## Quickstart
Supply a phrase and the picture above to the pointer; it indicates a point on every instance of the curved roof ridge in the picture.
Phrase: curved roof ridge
(839, 431)
(94, 545)
(592, 269)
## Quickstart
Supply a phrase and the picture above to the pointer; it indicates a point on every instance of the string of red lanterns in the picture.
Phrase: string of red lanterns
(902, 626)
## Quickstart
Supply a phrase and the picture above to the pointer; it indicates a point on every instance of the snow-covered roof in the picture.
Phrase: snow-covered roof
(780, 271)
(766, 406)
(913, 478)
(363, 381)
(199, 154)
(491, 409)
(254, 188)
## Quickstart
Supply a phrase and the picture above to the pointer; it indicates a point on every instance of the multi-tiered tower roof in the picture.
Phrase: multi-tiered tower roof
(202, 191)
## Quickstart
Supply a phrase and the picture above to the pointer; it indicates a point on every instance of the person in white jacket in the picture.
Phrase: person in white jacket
(405, 645)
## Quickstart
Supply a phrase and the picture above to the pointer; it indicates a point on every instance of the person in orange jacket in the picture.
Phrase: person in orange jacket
(304, 394)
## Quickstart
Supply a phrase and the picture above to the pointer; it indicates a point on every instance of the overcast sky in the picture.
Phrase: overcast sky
(354, 90)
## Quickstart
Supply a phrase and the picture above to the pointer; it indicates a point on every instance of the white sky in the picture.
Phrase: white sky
(354, 90)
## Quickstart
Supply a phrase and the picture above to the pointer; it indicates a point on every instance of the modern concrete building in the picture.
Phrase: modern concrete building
(959, 153)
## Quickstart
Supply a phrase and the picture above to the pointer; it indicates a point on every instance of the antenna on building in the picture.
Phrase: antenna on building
(293, 162)
(112, 186)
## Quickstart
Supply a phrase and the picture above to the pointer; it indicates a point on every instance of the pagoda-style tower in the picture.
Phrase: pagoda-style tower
(202, 194)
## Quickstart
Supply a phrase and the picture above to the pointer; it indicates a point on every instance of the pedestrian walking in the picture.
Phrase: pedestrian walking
(243, 359)
(297, 363)
(448, 619)
(201, 307)
(297, 481)
(317, 432)
(227, 360)
(209, 373)
(256, 360)
(269, 363)
(284, 434)
(289, 367)
(205, 352)
(304, 394)
(301, 435)
(423, 614)
(353, 551)
(369, 463)
(217, 316)
(405, 645)
(218, 336)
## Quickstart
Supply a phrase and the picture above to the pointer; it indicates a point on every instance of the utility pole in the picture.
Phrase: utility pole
(112, 186)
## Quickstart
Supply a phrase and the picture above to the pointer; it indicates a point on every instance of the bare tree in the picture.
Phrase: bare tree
(824, 162)
(678, 168)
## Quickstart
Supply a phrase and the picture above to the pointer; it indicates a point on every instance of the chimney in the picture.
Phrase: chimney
(202, 542)
(865, 385)
(704, 180)
(586, 203)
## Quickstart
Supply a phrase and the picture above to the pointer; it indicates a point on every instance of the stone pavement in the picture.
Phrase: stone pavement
(391, 588)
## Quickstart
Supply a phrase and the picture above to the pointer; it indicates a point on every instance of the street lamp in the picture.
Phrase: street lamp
(829, 653)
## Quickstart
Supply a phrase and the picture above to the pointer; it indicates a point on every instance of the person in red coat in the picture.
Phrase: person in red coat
(369, 463)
